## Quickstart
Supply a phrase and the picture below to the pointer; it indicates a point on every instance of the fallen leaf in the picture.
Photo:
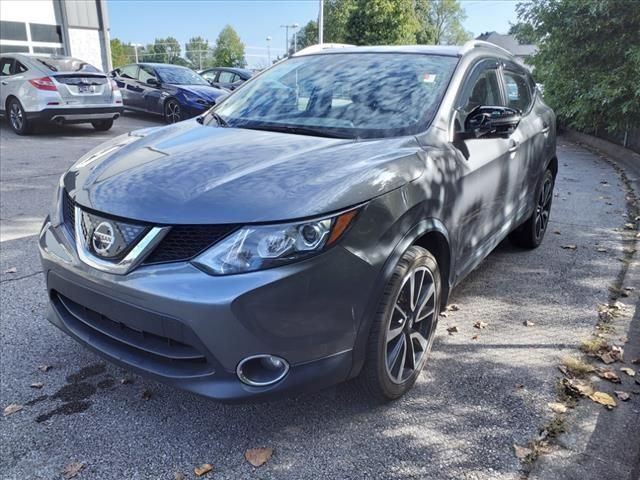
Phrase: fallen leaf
(577, 386)
(569, 247)
(629, 289)
(636, 361)
(608, 374)
(624, 396)
(519, 385)
(629, 371)
(258, 456)
(452, 330)
(480, 325)
(37, 385)
(475, 337)
(606, 358)
(452, 308)
(45, 368)
(11, 409)
(557, 407)
(11, 270)
(444, 314)
(203, 469)
(527, 323)
(603, 399)
(601, 249)
(557, 232)
(630, 226)
(522, 452)
(146, 395)
(126, 381)
(73, 469)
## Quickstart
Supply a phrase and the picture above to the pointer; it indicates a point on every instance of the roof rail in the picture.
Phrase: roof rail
(320, 47)
(471, 44)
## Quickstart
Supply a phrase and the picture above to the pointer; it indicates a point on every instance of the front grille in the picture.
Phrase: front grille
(183, 242)
(158, 353)
(68, 212)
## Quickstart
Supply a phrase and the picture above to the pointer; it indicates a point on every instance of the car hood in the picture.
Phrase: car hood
(188, 173)
(203, 91)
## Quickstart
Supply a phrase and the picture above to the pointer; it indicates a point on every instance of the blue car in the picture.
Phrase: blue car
(176, 93)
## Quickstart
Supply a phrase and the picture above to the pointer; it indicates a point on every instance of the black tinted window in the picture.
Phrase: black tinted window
(518, 91)
(45, 33)
(13, 48)
(19, 68)
(13, 30)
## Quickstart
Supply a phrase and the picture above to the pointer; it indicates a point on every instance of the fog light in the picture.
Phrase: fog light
(262, 370)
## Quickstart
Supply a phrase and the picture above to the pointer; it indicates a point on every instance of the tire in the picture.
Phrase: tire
(172, 111)
(102, 125)
(382, 378)
(18, 119)
(531, 233)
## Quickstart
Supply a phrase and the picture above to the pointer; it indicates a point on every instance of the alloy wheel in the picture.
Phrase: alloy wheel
(16, 116)
(172, 112)
(410, 327)
(543, 208)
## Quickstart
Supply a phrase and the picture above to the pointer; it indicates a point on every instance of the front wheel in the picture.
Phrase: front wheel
(102, 125)
(531, 232)
(172, 111)
(402, 332)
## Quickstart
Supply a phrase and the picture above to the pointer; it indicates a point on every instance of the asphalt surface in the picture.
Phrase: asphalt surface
(482, 391)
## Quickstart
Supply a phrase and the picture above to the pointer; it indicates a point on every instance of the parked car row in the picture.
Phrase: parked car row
(56, 89)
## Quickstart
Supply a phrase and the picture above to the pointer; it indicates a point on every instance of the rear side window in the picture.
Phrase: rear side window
(19, 68)
(5, 66)
(211, 75)
(226, 77)
(519, 95)
(130, 71)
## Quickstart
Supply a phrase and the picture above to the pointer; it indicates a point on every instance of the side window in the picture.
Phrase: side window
(19, 68)
(210, 76)
(130, 71)
(5, 66)
(483, 90)
(226, 77)
(146, 73)
(518, 92)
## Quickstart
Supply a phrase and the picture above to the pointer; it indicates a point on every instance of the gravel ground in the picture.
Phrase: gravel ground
(482, 392)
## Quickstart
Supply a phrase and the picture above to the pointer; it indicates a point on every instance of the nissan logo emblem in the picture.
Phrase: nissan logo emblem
(103, 238)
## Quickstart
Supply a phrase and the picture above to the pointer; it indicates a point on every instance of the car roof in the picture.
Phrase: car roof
(156, 65)
(230, 69)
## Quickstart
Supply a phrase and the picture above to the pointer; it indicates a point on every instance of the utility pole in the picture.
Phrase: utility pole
(135, 49)
(269, 49)
(287, 27)
(321, 23)
(295, 42)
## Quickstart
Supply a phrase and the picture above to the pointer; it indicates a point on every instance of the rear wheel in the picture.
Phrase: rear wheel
(172, 111)
(18, 118)
(102, 125)
(531, 232)
(402, 332)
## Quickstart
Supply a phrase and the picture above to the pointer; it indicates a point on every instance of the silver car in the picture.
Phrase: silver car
(42, 88)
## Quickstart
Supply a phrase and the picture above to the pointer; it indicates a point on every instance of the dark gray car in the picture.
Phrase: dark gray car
(308, 229)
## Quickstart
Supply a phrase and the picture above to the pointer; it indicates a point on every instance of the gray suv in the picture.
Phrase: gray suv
(309, 228)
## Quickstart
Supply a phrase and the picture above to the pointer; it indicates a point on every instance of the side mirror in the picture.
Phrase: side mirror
(491, 122)
(153, 82)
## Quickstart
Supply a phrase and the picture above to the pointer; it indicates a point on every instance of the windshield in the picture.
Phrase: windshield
(66, 64)
(366, 95)
(180, 76)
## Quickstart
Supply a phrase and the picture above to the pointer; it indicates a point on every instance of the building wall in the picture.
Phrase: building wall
(85, 44)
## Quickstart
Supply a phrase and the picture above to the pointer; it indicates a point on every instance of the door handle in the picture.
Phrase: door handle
(513, 146)
(545, 128)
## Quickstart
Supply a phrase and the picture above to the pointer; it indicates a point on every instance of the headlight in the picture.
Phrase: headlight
(258, 247)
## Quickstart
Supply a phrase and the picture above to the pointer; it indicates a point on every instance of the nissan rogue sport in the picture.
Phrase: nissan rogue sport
(308, 229)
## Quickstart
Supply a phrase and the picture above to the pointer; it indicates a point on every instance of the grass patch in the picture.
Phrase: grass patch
(576, 366)
(593, 345)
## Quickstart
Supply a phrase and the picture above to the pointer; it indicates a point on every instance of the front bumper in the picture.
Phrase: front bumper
(181, 326)
(76, 114)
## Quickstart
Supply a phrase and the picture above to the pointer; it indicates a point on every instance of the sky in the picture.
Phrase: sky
(141, 21)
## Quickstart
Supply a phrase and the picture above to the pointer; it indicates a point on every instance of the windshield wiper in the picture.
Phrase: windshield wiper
(296, 130)
(221, 121)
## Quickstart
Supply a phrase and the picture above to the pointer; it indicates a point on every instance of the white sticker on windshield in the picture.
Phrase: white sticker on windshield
(429, 78)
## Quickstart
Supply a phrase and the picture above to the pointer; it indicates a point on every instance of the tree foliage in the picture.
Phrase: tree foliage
(336, 16)
(523, 32)
(198, 52)
(382, 22)
(306, 36)
(229, 49)
(163, 50)
(121, 53)
(445, 18)
(588, 60)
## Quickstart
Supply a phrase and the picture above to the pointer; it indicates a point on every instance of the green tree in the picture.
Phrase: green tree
(121, 53)
(445, 19)
(229, 49)
(523, 32)
(163, 50)
(382, 22)
(425, 34)
(588, 60)
(306, 36)
(336, 16)
(198, 52)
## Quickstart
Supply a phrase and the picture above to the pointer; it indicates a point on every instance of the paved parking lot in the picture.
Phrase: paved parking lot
(482, 392)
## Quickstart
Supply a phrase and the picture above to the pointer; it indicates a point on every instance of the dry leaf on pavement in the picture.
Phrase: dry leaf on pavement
(527, 323)
(522, 452)
(636, 361)
(37, 385)
(45, 368)
(475, 337)
(601, 249)
(557, 407)
(608, 374)
(624, 396)
(203, 469)
(606, 358)
(11, 270)
(452, 307)
(480, 325)
(452, 330)
(571, 246)
(11, 409)
(577, 386)
(603, 399)
(146, 395)
(629, 371)
(72, 470)
(258, 456)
